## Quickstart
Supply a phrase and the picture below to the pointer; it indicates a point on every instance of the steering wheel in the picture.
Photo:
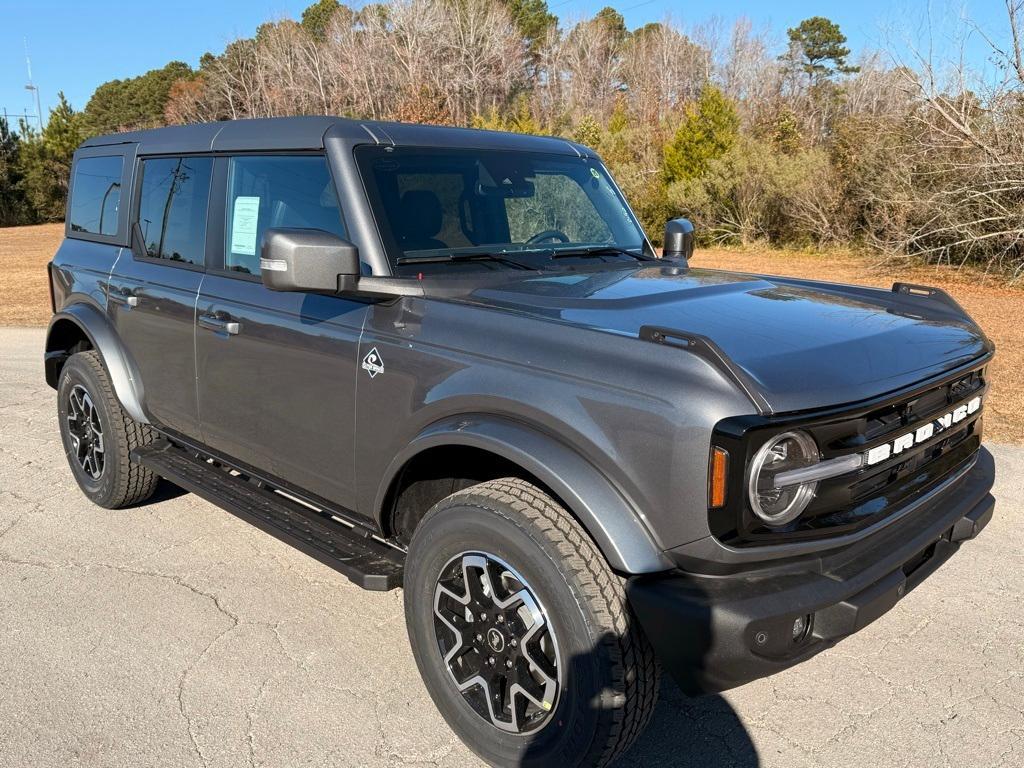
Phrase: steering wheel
(549, 234)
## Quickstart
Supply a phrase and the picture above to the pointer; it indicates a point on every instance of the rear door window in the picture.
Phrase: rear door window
(96, 195)
(266, 192)
(173, 202)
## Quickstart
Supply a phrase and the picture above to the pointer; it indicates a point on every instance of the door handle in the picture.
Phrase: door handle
(220, 324)
(124, 296)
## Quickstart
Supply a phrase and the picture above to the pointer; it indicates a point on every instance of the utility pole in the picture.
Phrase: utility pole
(33, 87)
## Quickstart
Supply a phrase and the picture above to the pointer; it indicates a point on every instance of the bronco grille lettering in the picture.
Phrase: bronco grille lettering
(924, 432)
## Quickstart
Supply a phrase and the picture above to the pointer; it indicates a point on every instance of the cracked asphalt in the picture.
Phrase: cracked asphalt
(176, 635)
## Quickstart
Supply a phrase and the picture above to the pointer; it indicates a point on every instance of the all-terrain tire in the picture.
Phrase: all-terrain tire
(121, 482)
(611, 690)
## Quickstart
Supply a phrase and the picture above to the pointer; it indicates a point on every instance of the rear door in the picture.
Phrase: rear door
(277, 370)
(153, 288)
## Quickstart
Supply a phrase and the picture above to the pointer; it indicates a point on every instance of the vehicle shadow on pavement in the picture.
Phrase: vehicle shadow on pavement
(684, 731)
(701, 731)
(165, 491)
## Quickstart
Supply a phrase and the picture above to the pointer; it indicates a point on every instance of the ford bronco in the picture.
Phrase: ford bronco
(451, 360)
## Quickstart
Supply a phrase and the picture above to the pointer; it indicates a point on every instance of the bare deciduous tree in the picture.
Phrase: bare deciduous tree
(965, 189)
(922, 157)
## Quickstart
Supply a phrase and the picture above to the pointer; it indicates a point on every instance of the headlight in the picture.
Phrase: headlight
(788, 451)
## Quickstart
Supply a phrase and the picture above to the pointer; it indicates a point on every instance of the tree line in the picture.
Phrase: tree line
(791, 143)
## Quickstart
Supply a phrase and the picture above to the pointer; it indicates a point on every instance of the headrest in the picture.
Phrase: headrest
(423, 213)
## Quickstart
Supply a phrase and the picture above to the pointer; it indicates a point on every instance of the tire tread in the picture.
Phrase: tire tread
(636, 671)
(134, 483)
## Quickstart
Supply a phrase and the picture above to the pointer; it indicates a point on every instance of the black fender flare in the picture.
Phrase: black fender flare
(604, 512)
(120, 368)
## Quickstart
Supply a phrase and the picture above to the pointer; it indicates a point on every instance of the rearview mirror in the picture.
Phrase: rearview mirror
(308, 260)
(506, 189)
(678, 239)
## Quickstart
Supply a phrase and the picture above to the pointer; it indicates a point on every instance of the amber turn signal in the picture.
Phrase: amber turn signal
(717, 471)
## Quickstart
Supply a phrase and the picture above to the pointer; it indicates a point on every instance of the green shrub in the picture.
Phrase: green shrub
(754, 193)
(709, 130)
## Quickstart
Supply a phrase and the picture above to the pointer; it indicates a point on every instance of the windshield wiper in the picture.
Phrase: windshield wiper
(457, 257)
(596, 251)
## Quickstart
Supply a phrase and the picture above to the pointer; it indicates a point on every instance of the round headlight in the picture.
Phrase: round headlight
(775, 505)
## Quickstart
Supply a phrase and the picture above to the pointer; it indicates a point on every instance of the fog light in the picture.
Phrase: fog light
(800, 627)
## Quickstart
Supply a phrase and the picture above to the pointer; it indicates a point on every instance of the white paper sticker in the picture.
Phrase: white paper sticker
(244, 223)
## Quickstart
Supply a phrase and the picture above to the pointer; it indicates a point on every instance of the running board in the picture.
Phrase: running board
(351, 551)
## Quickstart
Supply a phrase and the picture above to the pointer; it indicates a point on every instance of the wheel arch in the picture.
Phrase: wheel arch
(577, 484)
(83, 324)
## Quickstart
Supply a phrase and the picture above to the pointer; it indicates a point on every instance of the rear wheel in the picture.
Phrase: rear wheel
(522, 631)
(98, 435)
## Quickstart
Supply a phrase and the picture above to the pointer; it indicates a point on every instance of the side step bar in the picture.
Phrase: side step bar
(367, 561)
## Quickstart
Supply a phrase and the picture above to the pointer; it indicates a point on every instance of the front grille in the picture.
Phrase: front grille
(851, 502)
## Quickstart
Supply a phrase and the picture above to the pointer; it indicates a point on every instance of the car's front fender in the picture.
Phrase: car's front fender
(604, 512)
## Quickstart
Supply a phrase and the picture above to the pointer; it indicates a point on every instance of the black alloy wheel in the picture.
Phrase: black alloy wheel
(86, 432)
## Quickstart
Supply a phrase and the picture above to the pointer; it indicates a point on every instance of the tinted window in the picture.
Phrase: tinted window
(96, 195)
(434, 197)
(437, 203)
(269, 192)
(558, 203)
(172, 207)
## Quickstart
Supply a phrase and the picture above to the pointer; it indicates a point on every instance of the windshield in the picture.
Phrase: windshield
(484, 209)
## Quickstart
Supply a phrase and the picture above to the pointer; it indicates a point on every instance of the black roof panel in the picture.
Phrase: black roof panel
(309, 133)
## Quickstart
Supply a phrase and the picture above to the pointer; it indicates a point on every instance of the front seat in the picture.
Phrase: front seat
(423, 217)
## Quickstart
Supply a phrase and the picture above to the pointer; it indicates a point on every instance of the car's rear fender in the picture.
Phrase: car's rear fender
(68, 327)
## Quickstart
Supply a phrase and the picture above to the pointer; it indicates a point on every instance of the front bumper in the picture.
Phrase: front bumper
(714, 633)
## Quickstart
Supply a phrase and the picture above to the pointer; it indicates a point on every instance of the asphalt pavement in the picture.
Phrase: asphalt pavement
(176, 635)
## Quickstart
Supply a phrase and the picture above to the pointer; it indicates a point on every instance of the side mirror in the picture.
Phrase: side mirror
(308, 260)
(678, 239)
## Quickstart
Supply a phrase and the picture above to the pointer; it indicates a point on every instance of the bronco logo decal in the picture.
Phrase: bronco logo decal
(372, 363)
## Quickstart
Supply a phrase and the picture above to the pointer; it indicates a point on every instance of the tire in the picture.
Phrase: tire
(606, 674)
(109, 479)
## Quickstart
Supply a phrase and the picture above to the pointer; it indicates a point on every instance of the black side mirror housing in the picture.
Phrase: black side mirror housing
(679, 240)
(308, 260)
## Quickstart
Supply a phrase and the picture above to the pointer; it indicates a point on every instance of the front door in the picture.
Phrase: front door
(276, 371)
(152, 290)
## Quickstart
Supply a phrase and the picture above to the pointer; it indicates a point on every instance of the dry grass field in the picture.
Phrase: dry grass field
(999, 308)
(24, 251)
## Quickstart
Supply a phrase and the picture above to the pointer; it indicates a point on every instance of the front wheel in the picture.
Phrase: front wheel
(522, 633)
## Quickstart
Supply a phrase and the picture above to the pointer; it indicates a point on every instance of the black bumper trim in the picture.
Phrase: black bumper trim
(712, 633)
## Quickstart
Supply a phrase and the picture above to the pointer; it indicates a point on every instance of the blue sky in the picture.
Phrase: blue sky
(75, 46)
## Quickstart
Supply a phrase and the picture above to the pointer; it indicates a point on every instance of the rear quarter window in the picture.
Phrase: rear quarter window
(96, 195)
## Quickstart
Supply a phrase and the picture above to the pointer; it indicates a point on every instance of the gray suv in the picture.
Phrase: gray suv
(451, 360)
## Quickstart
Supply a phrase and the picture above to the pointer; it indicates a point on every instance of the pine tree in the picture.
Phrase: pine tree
(45, 160)
(708, 131)
(316, 19)
(14, 209)
(533, 21)
(817, 47)
(132, 104)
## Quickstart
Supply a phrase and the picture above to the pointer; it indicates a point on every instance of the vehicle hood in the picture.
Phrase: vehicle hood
(804, 344)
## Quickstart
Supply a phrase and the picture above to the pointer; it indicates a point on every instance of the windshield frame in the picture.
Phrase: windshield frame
(366, 154)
